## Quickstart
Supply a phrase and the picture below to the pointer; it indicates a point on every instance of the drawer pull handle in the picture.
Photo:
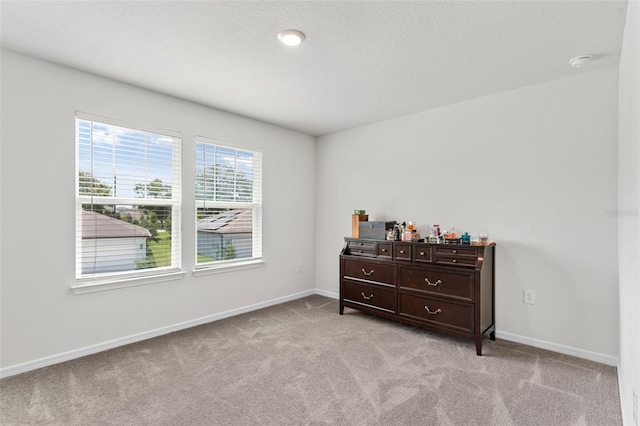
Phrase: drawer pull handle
(455, 251)
(367, 273)
(429, 311)
(436, 284)
(421, 253)
(359, 251)
(402, 252)
(360, 244)
(367, 297)
(384, 250)
(455, 260)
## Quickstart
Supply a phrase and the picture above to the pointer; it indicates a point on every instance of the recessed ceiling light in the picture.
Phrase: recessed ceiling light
(580, 61)
(291, 37)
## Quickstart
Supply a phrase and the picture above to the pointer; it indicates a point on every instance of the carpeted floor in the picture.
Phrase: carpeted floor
(300, 363)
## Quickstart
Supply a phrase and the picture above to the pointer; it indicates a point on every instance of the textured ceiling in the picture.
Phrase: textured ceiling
(362, 62)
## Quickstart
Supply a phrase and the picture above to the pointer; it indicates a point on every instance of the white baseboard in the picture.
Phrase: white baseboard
(89, 350)
(326, 293)
(555, 347)
(627, 416)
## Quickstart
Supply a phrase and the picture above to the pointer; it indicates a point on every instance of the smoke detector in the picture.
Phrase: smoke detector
(580, 61)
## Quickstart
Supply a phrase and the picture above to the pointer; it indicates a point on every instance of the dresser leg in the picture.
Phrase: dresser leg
(479, 347)
(341, 309)
(492, 335)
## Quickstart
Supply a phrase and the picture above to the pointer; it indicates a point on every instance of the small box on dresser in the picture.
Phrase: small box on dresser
(355, 223)
(374, 230)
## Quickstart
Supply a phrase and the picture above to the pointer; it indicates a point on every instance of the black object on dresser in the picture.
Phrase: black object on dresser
(447, 288)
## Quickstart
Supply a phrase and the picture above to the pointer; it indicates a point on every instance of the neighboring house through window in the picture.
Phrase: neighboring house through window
(228, 204)
(111, 245)
(128, 201)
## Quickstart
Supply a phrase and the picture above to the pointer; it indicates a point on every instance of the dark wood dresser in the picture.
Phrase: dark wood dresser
(447, 288)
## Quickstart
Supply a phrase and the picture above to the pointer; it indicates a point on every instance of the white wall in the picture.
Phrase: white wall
(40, 316)
(629, 204)
(536, 168)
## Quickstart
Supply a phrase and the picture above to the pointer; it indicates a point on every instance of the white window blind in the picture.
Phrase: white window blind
(128, 201)
(228, 196)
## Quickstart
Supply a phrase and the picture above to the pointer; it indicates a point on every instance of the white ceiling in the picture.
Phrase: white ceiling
(362, 62)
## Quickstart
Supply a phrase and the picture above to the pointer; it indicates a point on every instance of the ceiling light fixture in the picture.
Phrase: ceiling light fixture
(580, 61)
(291, 38)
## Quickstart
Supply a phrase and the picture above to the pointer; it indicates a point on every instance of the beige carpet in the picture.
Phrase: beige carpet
(300, 363)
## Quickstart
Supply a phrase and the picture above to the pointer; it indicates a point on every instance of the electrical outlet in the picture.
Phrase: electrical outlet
(530, 297)
(299, 268)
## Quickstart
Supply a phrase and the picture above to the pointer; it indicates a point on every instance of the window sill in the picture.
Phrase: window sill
(113, 283)
(219, 269)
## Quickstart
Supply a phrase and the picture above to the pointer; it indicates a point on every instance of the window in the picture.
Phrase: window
(228, 205)
(127, 202)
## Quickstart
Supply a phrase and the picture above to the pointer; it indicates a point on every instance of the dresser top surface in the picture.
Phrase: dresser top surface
(424, 243)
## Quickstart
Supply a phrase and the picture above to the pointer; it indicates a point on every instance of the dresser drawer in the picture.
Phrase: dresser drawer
(456, 251)
(458, 284)
(369, 295)
(421, 253)
(384, 250)
(456, 256)
(402, 251)
(455, 316)
(362, 248)
(370, 271)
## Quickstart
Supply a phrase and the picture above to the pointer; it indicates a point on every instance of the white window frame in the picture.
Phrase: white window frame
(256, 205)
(89, 283)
